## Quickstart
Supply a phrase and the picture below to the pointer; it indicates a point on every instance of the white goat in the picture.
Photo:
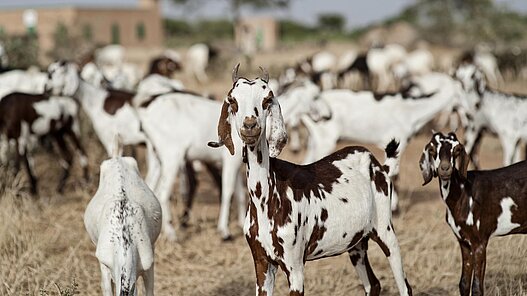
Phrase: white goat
(302, 213)
(380, 60)
(499, 112)
(30, 81)
(197, 61)
(416, 63)
(179, 125)
(123, 220)
(375, 119)
(110, 112)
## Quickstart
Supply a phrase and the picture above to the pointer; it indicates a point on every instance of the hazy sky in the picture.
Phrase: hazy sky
(357, 12)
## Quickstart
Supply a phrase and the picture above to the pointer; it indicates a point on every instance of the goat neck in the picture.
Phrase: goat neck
(258, 166)
(91, 97)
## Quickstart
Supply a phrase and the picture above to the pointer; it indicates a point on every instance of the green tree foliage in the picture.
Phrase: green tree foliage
(22, 50)
(332, 22)
(236, 5)
(466, 22)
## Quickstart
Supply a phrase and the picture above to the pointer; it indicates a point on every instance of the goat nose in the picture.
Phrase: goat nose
(445, 166)
(249, 122)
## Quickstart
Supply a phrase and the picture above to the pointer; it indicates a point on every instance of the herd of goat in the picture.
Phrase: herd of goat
(332, 204)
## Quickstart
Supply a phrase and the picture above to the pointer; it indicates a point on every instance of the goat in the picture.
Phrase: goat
(110, 112)
(24, 117)
(295, 102)
(198, 57)
(360, 65)
(178, 125)
(123, 220)
(416, 63)
(379, 62)
(480, 204)
(24, 81)
(302, 213)
(486, 61)
(164, 65)
(376, 118)
(499, 112)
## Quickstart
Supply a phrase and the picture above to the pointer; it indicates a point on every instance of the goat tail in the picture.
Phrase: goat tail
(392, 158)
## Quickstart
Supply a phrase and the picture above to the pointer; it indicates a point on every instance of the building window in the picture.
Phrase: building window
(116, 38)
(87, 32)
(140, 31)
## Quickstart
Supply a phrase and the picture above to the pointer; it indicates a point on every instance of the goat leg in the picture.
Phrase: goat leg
(66, 162)
(188, 197)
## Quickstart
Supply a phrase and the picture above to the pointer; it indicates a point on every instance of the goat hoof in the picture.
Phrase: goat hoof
(228, 238)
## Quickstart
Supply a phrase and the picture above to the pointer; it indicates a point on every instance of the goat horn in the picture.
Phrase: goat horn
(265, 75)
(433, 131)
(235, 73)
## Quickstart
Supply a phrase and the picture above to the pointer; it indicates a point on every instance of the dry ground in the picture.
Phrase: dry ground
(43, 241)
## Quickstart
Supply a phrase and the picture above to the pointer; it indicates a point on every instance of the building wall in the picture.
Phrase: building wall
(98, 21)
(11, 22)
(104, 23)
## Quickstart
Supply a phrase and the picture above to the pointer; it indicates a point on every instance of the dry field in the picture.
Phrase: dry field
(43, 243)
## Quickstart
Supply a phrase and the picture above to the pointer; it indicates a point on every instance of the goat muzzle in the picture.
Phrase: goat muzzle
(250, 131)
(444, 171)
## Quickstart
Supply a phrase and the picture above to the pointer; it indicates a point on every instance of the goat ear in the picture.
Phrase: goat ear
(320, 111)
(480, 82)
(71, 80)
(277, 132)
(426, 167)
(462, 162)
(224, 130)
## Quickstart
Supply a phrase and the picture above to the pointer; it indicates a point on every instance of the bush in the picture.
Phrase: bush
(22, 50)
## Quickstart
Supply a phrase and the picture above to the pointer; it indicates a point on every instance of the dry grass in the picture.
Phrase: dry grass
(43, 242)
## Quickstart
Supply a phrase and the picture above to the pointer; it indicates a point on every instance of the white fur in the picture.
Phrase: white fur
(123, 206)
(503, 114)
(505, 224)
(366, 209)
(179, 126)
(197, 61)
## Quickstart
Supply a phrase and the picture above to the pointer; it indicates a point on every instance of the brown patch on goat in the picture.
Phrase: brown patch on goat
(258, 191)
(224, 128)
(312, 180)
(116, 99)
(356, 238)
(164, 66)
(266, 102)
(381, 244)
(316, 236)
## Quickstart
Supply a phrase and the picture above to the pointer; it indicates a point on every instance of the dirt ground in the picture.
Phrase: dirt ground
(44, 246)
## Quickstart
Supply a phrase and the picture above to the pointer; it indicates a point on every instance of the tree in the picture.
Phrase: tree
(331, 22)
(236, 5)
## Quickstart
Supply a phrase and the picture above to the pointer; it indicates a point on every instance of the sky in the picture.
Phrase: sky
(357, 12)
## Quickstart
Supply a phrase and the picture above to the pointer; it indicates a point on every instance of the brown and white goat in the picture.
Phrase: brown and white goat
(299, 213)
(480, 204)
(24, 117)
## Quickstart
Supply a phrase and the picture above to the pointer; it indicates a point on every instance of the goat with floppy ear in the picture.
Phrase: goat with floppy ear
(436, 164)
(480, 204)
(299, 213)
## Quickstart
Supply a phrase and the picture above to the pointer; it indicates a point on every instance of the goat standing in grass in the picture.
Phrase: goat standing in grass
(498, 112)
(302, 213)
(123, 220)
(480, 204)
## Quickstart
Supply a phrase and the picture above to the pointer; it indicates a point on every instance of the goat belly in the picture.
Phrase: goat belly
(345, 217)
